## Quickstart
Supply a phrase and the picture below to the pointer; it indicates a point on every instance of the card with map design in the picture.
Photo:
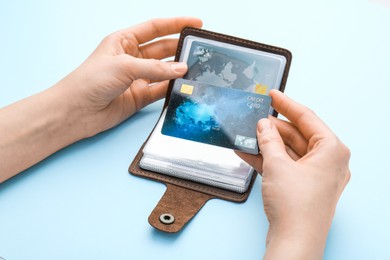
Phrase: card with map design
(214, 115)
(226, 65)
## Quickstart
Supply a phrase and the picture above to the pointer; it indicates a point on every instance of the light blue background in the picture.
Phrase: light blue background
(81, 203)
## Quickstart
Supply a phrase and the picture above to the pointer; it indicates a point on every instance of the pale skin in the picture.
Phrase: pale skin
(305, 168)
(110, 86)
(304, 165)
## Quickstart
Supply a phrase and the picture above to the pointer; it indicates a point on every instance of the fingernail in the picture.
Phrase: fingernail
(264, 124)
(179, 67)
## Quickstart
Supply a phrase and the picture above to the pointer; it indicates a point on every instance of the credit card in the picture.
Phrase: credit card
(214, 115)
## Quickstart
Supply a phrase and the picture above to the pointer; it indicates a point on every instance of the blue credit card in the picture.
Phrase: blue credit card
(220, 116)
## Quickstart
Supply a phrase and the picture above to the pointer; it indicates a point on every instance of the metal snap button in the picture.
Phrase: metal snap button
(167, 218)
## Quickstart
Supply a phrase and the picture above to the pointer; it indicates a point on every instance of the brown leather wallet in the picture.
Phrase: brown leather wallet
(183, 198)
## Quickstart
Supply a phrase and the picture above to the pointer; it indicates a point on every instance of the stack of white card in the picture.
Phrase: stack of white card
(208, 164)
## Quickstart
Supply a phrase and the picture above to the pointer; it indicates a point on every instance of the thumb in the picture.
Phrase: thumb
(271, 144)
(154, 70)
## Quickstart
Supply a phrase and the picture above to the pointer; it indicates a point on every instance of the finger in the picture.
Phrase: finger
(291, 136)
(158, 90)
(293, 155)
(256, 161)
(270, 143)
(160, 27)
(156, 80)
(159, 49)
(145, 94)
(151, 69)
(300, 116)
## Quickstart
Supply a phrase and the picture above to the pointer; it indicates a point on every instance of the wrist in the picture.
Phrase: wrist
(299, 240)
(34, 128)
(75, 110)
(68, 117)
(70, 111)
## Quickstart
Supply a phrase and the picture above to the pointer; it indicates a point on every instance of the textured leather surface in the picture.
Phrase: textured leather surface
(181, 203)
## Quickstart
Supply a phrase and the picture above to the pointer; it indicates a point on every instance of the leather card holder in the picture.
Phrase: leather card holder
(183, 198)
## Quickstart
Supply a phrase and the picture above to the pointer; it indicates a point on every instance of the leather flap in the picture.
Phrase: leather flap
(177, 206)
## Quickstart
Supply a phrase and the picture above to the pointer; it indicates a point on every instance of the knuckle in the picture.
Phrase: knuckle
(307, 113)
(130, 45)
(110, 38)
(275, 158)
(346, 151)
(266, 139)
(278, 156)
(340, 158)
(154, 26)
(158, 65)
(348, 177)
(342, 151)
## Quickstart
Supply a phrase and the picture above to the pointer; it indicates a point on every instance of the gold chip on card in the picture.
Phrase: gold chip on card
(186, 89)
